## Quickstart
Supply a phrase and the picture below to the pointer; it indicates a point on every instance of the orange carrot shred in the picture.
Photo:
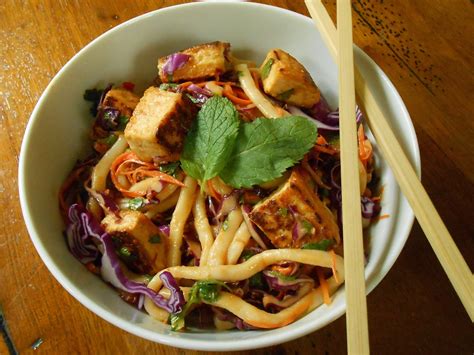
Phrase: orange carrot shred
(324, 287)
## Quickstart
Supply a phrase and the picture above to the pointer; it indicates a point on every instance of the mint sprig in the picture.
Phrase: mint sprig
(209, 143)
(243, 154)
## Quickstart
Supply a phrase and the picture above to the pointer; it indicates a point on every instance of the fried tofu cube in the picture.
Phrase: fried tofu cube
(140, 243)
(285, 79)
(205, 61)
(294, 215)
(121, 99)
(159, 125)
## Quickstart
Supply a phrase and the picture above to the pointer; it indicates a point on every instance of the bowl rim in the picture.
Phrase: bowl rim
(194, 344)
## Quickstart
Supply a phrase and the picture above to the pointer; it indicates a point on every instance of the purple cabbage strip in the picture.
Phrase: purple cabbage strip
(111, 271)
(277, 283)
(79, 242)
(165, 229)
(369, 208)
(174, 62)
(200, 95)
(239, 323)
(322, 114)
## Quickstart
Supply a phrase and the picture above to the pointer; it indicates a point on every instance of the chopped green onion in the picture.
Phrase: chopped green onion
(283, 211)
(170, 168)
(324, 244)
(124, 251)
(266, 68)
(136, 203)
(285, 95)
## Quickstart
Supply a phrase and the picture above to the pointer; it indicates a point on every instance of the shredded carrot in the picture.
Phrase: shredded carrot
(212, 191)
(365, 147)
(326, 149)
(324, 286)
(231, 95)
(333, 266)
(384, 216)
(134, 170)
(321, 140)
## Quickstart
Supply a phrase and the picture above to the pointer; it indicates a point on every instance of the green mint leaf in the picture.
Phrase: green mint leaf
(265, 148)
(209, 143)
(266, 68)
(285, 95)
(324, 244)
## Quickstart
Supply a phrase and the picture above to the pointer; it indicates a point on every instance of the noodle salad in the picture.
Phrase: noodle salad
(213, 198)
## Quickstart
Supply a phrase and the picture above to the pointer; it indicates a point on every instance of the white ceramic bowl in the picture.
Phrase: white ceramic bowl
(58, 128)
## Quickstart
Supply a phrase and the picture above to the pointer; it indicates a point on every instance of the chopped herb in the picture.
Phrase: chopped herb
(285, 95)
(207, 290)
(194, 99)
(225, 225)
(266, 68)
(247, 254)
(136, 203)
(148, 278)
(283, 211)
(256, 281)
(122, 122)
(324, 244)
(239, 73)
(154, 239)
(282, 277)
(124, 251)
(307, 226)
(109, 140)
(170, 168)
(170, 78)
(168, 86)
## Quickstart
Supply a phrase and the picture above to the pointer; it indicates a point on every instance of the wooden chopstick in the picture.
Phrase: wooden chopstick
(356, 313)
(436, 232)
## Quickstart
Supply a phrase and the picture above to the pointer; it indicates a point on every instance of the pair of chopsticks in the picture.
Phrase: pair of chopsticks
(341, 48)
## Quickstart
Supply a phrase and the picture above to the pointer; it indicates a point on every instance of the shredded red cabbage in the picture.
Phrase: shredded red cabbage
(369, 208)
(165, 229)
(224, 315)
(79, 242)
(198, 95)
(84, 225)
(278, 283)
(324, 118)
(174, 62)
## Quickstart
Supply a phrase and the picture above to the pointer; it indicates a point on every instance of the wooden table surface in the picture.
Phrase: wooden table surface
(426, 47)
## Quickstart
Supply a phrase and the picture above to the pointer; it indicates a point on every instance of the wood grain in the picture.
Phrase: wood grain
(426, 47)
